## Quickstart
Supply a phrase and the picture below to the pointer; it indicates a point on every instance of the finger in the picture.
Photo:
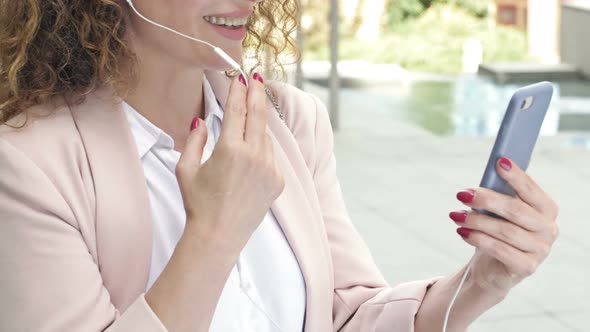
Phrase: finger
(268, 145)
(256, 119)
(512, 209)
(526, 188)
(504, 231)
(516, 261)
(190, 160)
(235, 112)
(269, 150)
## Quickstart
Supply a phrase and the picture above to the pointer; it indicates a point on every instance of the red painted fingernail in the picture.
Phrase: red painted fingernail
(258, 78)
(242, 79)
(458, 216)
(464, 232)
(466, 196)
(505, 164)
(195, 123)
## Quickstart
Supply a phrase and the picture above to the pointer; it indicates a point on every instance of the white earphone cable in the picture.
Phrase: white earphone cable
(454, 298)
(218, 51)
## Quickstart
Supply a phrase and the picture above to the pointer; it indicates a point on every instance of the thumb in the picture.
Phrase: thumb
(190, 160)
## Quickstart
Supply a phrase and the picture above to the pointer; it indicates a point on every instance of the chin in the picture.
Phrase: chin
(219, 64)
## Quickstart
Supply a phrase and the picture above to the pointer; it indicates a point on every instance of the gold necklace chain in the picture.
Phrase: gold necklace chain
(275, 103)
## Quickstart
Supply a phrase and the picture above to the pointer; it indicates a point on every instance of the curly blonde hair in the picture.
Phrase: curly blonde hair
(70, 48)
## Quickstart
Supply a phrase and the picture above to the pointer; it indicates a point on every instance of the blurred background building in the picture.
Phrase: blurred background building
(575, 25)
(512, 12)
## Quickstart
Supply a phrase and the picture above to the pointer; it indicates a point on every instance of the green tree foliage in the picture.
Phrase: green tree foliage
(433, 42)
(477, 8)
(317, 36)
(398, 11)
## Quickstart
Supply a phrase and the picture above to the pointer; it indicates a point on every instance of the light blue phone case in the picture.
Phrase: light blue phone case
(518, 133)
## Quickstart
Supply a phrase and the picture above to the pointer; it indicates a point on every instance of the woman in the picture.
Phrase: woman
(114, 216)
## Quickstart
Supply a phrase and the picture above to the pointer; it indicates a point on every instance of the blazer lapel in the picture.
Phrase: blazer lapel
(300, 223)
(123, 216)
(302, 227)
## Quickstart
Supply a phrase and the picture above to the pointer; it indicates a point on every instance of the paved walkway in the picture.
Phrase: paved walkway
(400, 181)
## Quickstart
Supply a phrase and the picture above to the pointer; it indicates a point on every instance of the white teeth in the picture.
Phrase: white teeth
(227, 21)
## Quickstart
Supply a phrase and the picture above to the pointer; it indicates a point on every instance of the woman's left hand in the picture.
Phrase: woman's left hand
(511, 249)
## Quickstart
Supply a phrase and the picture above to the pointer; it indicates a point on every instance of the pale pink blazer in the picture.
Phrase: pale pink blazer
(75, 223)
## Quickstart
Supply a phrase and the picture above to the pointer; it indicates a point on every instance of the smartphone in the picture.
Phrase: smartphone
(518, 133)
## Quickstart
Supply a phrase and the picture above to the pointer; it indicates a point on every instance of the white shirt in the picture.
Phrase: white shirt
(267, 292)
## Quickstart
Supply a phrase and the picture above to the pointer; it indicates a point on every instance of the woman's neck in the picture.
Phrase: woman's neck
(169, 94)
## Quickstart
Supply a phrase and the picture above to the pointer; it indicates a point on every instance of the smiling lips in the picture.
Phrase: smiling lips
(227, 22)
(231, 26)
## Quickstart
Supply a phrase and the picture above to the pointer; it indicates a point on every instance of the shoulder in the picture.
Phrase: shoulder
(307, 119)
(41, 129)
(44, 140)
(301, 108)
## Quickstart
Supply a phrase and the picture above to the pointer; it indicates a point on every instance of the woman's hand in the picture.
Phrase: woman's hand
(511, 249)
(227, 197)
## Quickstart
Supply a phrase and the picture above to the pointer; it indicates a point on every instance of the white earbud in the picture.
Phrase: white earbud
(217, 50)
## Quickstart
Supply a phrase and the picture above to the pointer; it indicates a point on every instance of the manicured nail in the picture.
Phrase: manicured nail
(464, 232)
(458, 216)
(242, 79)
(466, 196)
(505, 164)
(258, 78)
(195, 123)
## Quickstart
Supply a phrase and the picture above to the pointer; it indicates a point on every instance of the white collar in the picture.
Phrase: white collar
(148, 135)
